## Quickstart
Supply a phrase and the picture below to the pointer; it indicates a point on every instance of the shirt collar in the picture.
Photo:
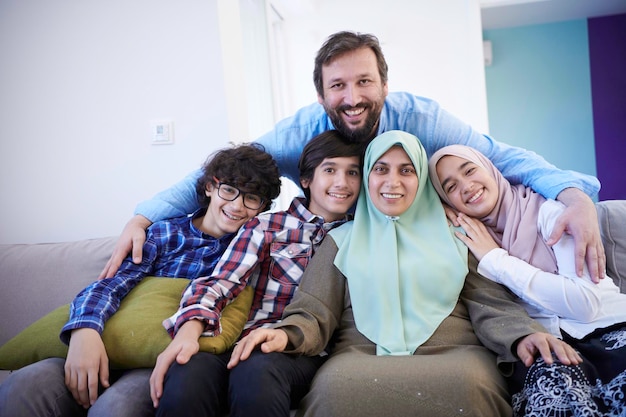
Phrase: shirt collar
(299, 209)
(225, 239)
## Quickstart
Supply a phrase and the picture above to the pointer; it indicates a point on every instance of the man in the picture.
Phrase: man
(350, 77)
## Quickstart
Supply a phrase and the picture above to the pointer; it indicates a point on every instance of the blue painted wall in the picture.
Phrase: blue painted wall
(539, 92)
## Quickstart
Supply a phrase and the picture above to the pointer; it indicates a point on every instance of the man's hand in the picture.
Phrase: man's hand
(132, 238)
(87, 364)
(580, 219)
(478, 239)
(271, 340)
(181, 349)
(545, 344)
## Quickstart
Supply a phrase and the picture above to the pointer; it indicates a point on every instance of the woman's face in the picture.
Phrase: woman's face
(469, 187)
(393, 182)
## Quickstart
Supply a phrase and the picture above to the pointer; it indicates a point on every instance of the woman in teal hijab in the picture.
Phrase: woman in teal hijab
(413, 252)
(381, 295)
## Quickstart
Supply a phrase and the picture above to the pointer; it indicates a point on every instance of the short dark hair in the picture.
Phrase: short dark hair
(341, 42)
(329, 144)
(246, 166)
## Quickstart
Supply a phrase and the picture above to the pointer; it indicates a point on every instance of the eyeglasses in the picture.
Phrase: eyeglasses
(230, 193)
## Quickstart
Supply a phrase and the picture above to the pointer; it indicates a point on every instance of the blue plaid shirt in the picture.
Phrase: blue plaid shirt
(270, 253)
(174, 248)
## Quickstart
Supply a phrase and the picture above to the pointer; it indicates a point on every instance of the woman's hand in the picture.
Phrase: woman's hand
(478, 239)
(271, 340)
(544, 344)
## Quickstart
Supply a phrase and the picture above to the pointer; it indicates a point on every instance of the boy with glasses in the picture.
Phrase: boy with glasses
(183, 247)
(270, 253)
(230, 193)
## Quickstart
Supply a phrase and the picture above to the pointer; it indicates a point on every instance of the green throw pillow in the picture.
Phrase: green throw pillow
(134, 336)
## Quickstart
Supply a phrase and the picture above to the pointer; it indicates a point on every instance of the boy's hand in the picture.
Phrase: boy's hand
(271, 340)
(545, 344)
(132, 239)
(478, 239)
(580, 219)
(181, 349)
(87, 364)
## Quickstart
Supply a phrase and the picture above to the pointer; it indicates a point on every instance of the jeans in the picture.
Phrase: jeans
(38, 390)
(266, 384)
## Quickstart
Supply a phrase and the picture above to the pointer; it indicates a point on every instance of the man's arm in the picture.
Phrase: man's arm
(561, 293)
(571, 188)
(179, 200)
(287, 140)
(580, 219)
(437, 128)
(285, 143)
(130, 241)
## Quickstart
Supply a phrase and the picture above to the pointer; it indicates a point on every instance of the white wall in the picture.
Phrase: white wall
(80, 81)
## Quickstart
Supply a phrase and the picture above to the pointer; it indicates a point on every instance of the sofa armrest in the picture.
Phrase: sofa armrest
(612, 219)
(37, 278)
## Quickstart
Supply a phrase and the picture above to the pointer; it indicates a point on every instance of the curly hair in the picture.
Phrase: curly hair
(338, 44)
(247, 167)
(329, 144)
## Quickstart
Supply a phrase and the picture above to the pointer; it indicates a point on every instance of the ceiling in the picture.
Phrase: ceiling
(498, 14)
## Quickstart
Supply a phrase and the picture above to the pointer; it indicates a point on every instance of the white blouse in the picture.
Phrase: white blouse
(564, 301)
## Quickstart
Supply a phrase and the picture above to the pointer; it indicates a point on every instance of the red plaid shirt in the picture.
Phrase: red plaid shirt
(269, 253)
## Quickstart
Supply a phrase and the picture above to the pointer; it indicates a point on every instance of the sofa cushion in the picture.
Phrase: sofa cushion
(134, 336)
(612, 219)
(37, 278)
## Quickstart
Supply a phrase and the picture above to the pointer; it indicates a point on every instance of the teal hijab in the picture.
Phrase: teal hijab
(404, 273)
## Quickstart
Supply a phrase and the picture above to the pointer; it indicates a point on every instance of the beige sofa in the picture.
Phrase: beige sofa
(37, 278)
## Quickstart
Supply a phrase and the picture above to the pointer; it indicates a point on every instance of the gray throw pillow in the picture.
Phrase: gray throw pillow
(612, 219)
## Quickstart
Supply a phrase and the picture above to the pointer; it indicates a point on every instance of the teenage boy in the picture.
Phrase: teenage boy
(350, 77)
(237, 183)
(269, 253)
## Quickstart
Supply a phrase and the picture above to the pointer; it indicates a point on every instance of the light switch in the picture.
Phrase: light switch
(162, 132)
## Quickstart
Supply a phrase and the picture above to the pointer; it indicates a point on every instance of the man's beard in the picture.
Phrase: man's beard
(362, 135)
